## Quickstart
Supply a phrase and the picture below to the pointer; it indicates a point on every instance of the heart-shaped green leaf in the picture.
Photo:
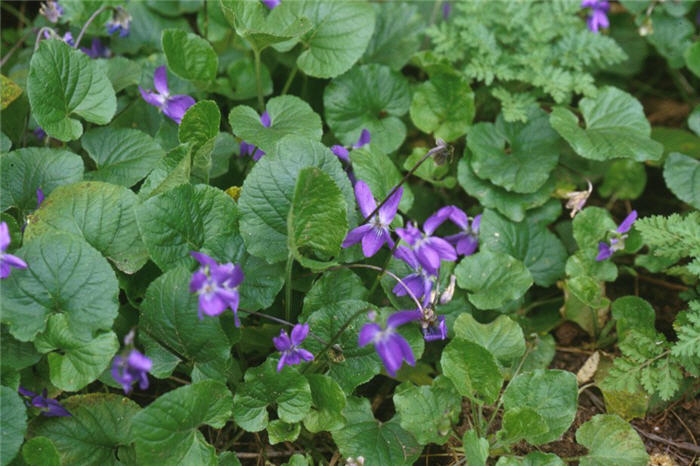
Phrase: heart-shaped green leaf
(62, 82)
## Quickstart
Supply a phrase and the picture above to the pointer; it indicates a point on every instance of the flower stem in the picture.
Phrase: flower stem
(383, 271)
(432, 151)
(337, 335)
(288, 288)
(384, 267)
(258, 80)
(15, 12)
(17, 45)
(88, 22)
(290, 79)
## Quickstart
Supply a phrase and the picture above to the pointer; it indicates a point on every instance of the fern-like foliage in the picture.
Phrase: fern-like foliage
(648, 359)
(672, 237)
(522, 46)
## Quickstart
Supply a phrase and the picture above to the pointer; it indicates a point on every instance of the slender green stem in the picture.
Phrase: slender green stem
(432, 151)
(88, 22)
(419, 306)
(290, 78)
(258, 80)
(17, 45)
(476, 418)
(337, 335)
(384, 267)
(38, 36)
(206, 20)
(15, 12)
(288, 288)
(500, 398)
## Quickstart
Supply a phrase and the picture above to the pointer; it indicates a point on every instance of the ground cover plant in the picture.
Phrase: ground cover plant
(343, 232)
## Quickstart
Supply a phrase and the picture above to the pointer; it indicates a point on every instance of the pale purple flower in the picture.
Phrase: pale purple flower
(597, 17)
(420, 282)
(271, 4)
(375, 233)
(429, 249)
(49, 406)
(466, 241)
(617, 243)
(217, 286)
(289, 347)
(51, 10)
(96, 50)
(250, 149)
(392, 348)
(120, 21)
(174, 107)
(130, 369)
(7, 261)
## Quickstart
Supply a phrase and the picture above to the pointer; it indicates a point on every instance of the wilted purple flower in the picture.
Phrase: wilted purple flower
(342, 152)
(577, 199)
(392, 348)
(429, 249)
(96, 50)
(51, 10)
(376, 232)
(217, 286)
(271, 4)
(606, 250)
(174, 107)
(133, 368)
(7, 261)
(49, 406)
(120, 21)
(597, 18)
(39, 133)
(466, 241)
(250, 149)
(420, 282)
(289, 347)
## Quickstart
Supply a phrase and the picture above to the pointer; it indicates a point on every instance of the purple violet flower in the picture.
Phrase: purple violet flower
(120, 21)
(289, 347)
(96, 50)
(429, 249)
(420, 282)
(39, 197)
(51, 10)
(466, 241)
(39, 133)
(49, 406)
(375, 233)
(133, 368)
(7, 261)
(271, 4)
(436, 329)
(174, 107)
(446, 10)
(617, 243)
(597, 17)
(342, 152)
(217, 286)
(250, 149)
(392, 348)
